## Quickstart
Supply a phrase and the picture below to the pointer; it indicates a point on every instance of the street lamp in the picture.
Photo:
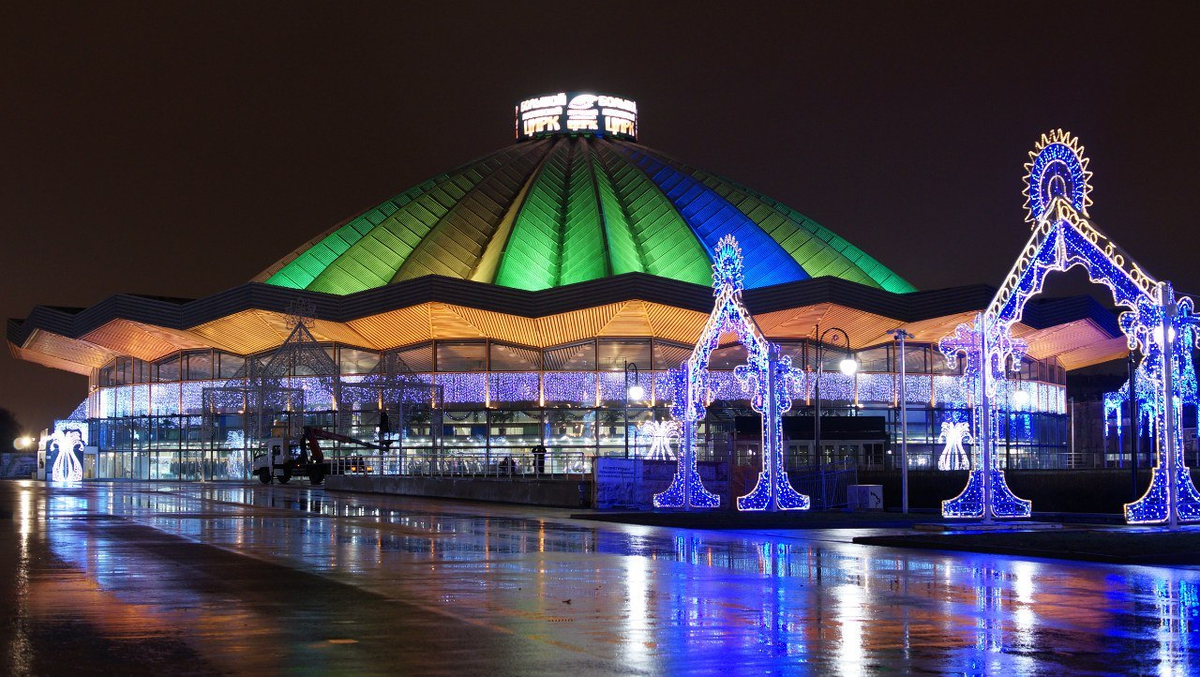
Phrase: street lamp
(23, 442)
(635, 392)
(848, 366)
(1021, 398)
(901, 335)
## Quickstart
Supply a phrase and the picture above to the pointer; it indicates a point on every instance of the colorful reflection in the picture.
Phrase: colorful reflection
(628, 599)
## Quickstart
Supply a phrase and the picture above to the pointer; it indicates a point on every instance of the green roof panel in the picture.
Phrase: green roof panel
(557, 211)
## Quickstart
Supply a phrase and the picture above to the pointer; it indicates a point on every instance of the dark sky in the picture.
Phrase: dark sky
(178, 149)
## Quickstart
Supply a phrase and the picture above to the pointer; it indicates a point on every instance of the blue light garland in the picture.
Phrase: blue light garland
(766, 376)
(1057, 188)
(1058, 171)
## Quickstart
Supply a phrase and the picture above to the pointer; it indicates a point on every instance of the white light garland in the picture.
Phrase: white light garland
(955, 434)
(660, 434)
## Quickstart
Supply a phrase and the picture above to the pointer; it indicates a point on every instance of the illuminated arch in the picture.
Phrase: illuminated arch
(1153, 320)
(766, 375)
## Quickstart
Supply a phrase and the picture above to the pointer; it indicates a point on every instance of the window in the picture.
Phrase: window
(670, 355)
(914, 360)
(940, 366)
(461, 356)
(355, 361)
(414, 359)
(168, 369)
(795, 350)
(514, 358)
(612, 355)
(199, 366)
(578, 357)
(230, 365)
(876, 359)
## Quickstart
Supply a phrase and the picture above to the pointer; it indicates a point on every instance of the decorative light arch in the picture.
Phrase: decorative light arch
(1163, 327)
(766, 374)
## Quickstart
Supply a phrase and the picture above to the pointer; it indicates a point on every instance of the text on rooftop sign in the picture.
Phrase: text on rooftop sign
(577, 113)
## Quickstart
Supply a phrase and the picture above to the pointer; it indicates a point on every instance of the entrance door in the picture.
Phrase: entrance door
(89, 463)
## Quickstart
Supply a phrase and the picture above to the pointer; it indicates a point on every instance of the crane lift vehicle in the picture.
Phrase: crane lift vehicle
(303, 457)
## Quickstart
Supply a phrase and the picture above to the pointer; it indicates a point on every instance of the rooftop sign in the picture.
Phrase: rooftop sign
(576, 113)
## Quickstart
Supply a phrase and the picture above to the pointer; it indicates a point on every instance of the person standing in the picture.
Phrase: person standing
(539, 459)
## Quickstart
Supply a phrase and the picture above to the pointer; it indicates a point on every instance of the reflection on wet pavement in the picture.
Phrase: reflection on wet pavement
(147, 578)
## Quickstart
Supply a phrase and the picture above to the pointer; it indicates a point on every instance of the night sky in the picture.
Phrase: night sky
(179, 149)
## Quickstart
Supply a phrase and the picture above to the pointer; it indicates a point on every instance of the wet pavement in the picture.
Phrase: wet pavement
(149, 578)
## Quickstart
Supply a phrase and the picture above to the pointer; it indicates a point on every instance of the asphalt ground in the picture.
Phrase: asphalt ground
(212, 579)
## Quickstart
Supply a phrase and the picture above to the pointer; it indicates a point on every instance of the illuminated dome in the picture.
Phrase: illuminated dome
(575, 199)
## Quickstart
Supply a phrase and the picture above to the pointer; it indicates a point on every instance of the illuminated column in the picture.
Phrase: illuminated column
(986, 495)
(687, 490)
(773, 491)
(984, 434)
(1171, 497)
(1169, 424)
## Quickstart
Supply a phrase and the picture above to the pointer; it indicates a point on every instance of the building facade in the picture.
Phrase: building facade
(533, 287)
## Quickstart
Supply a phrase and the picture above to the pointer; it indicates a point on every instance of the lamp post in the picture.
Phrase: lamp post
(636, 392)
(901, 335)
(848, 367)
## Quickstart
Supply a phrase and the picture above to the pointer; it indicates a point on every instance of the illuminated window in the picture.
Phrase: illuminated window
(355, 361)
(461, 356)
(578, 357)
(514, 358)
(612, 355)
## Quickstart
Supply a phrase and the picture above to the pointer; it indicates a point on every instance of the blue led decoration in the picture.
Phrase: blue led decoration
(1057, 170)
(766, 376)
(986, 495)
(1165, 330)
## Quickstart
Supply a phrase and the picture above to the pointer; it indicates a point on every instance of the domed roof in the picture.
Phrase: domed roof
(561, 209)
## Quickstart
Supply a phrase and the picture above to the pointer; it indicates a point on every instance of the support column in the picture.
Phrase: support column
(1167, 296)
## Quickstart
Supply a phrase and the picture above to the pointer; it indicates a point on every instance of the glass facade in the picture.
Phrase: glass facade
(500, 400)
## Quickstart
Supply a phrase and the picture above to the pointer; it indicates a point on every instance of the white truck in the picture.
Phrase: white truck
(286, 459)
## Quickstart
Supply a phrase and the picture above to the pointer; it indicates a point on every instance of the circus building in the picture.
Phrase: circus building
(540, 296)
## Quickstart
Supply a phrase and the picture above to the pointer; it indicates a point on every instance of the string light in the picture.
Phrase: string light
(1058, 196)
(66, 445)
(660, 434)
(1057, 170)
(955, 434)
(766, 376)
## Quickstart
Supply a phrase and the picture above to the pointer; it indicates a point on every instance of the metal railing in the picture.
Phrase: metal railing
(827, 485)
(469, 464)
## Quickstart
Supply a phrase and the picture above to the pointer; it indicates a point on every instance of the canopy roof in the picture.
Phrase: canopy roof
(253, 317)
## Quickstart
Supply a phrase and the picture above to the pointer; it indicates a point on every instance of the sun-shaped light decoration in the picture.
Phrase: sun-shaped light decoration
(727, 266)
(1057, 169)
